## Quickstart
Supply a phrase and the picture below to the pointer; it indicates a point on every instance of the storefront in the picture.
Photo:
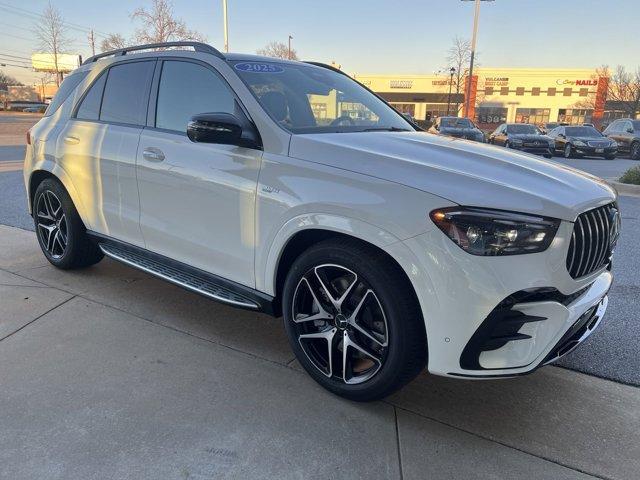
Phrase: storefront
(524, 95)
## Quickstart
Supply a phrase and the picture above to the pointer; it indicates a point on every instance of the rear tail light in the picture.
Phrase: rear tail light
(28, 137)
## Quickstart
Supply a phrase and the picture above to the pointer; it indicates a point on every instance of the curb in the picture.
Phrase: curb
(625, 188)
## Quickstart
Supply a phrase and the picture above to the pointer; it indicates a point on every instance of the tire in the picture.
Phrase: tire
(386, 338)
(61, 234)
(567, 151)
(611, 156)
(506, 144)
(634, 151)
(547, 155)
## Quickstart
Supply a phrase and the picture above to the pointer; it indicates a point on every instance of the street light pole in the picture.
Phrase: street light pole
(289, 52)
(226, 26)
(452, 70)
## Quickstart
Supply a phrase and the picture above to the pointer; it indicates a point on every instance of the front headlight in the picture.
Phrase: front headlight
(613, 144)
(480, 231)
(579, 143)
(516, 141)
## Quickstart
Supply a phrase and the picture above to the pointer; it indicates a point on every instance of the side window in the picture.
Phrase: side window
(90, 106)
(626, 126)
(612, 128)
(126, 93)
(68, 85)
(187, 89)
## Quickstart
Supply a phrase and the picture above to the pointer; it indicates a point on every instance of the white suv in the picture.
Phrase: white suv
(289, 188)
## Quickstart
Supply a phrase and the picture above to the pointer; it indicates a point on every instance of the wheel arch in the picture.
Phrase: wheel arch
(303, 239)
(51, 170)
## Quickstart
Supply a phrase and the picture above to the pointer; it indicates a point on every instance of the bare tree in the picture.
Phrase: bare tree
(6, 80)
(458, 57)
(278, 50)
(52, 35)
(623, 89)
(113, 41)
(160, 25)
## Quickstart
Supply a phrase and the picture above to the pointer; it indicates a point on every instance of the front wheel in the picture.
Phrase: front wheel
(635, 151)
(611, 156)
(60, 231)
(353, 321)
(567, 152)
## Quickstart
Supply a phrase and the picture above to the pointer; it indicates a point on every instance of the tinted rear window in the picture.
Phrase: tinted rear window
(90, 106)
(126, 93)
(68, 85)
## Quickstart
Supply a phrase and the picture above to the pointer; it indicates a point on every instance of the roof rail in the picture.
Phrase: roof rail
(197, 46)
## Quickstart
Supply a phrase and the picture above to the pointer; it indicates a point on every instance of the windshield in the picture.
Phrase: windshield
(524, 129)
(582, 132)
(456, 123)
(310, 99)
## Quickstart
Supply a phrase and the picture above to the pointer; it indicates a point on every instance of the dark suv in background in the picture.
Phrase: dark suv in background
(457, 127)
(626, 133)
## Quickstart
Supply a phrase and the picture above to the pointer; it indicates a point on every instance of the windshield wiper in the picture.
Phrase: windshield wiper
(386, 129)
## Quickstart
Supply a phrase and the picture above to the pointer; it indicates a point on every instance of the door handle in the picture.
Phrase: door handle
(71, 140)
(152, 154)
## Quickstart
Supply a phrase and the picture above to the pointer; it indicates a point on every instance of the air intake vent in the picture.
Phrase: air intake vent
(594, 233)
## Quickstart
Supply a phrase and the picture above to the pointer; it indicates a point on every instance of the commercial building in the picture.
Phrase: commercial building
(527, 95)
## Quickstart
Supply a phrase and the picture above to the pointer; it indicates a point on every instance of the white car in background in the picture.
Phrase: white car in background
(289, 188)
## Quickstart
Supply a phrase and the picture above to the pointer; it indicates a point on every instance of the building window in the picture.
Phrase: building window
(567, 92)
(574, 116)
(520, 91)
(488, 91)
(408, 108)
(584, 92)
(491, 115)
(532, 115)
(535, 91)
(551, 92)
(435, 110)
(504, 90)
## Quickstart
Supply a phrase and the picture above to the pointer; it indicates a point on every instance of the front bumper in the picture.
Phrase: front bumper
(594, 151)
(458, 292)
(535, 149)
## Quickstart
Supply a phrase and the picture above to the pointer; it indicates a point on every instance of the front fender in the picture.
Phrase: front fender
(267, 261)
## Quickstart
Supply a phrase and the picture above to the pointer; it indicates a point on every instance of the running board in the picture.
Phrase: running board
(191, 278)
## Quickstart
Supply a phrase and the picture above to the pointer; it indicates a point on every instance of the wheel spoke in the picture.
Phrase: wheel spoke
(353, 319)
(337, 303)
(347, 343)
(326, 335)
(322, 313)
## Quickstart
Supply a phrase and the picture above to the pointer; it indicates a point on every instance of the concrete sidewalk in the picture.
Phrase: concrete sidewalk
(110, 373)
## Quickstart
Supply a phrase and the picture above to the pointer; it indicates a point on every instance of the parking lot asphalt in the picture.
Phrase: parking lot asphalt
(107, 372)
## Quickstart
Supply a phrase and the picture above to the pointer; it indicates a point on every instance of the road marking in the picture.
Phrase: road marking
(11, 166)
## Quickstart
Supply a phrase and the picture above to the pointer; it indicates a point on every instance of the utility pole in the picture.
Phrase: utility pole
(476, 16)
(92, 42)
(289, 53)
(226, 26)
(452, 71)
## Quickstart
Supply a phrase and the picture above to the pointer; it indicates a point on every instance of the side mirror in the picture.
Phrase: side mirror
(562, 135)
(629, 130)
(221, 128)
(408, 117)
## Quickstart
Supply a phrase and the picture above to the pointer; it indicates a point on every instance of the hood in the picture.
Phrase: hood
(463, 131)
(529, 137)
(463, 172)
(592, 139)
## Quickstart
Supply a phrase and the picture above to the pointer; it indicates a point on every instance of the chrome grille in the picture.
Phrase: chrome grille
(598, 144)
(590, 246)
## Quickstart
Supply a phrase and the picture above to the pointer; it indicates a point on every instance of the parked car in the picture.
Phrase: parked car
(547, 127)
(579, 141)
(522, 136)
(626, 133)
(383, 248)
(458, 128)
(36, 109)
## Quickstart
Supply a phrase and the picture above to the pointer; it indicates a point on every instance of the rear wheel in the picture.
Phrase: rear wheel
(635, 151)
(60, 231)
(353, 321)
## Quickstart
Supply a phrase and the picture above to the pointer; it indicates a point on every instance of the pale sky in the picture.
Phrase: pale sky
(372, 36)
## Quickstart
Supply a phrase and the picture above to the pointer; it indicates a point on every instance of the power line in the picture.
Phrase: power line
(24, 11)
